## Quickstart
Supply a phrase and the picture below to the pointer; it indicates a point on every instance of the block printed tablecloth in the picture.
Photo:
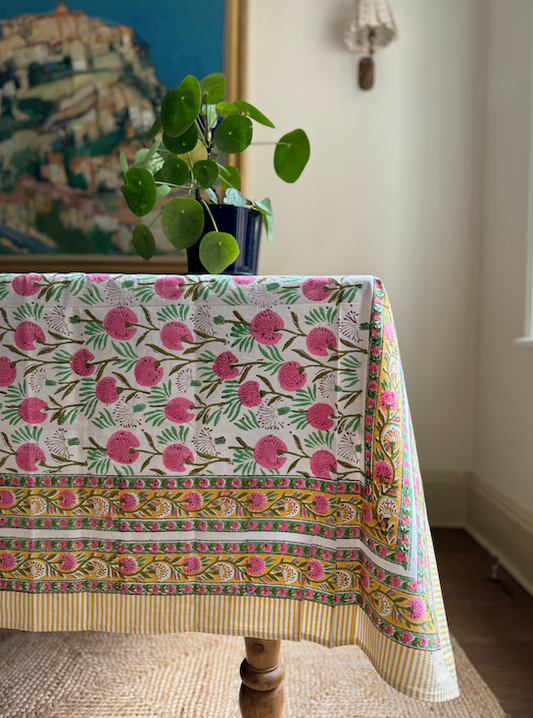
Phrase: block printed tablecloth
(230, 455)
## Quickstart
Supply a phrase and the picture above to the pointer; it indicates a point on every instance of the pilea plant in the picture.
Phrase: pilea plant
(198, 127)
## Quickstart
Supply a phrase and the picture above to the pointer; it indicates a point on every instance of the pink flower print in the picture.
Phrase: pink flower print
(319, 340)
(389, 630)
(225, 365)
(423, 641)
(8, 371)
(26, 284)
(316, 288)
(128, 565)
(373, 368)
(291, 376)
(120, 447)
(148, 372)
(32, 410)
(106, 389)
(388, 399)
(242, 280)
(96, 278)
(119, 323)
(7, 561)
(315, 570)
(187, 588)
(407, 637)
(256, 565)
(417, 608)
(177, 410)
(319, 416)
(321, 504)
(187, 483)
(268, 483)
(268, 452)
(193, 564)
(365, 581)
(175, 456)
(389, 332)
(265, 327)
(68, 562)
(80, 362)
(367, 513)
(383, 471)
(248, 393)
(322, 462)
(129, 502)
(68, 499)
(194, 501)
(257, 501)
(26, 334)
(395, 582)
(174, 333)
(7, 499)
(372, 386)
(401, 557)
(169, 287)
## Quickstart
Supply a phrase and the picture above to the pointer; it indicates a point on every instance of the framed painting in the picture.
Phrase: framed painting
(79, 84)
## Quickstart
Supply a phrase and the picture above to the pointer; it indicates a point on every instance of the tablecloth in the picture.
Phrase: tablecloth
(212, 453)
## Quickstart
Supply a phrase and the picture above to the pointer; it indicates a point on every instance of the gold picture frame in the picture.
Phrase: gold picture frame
(235, 18)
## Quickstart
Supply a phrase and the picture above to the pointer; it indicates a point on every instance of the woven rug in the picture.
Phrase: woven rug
(101, 675)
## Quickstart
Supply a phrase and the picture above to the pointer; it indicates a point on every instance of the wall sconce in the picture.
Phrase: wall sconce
(371, 28)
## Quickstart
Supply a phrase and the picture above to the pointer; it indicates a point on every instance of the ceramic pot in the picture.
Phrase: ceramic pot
(245, 224)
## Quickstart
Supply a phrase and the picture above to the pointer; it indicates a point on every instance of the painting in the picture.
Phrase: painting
(80, 82)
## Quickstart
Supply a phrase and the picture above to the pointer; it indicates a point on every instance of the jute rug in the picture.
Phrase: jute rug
(99, 675)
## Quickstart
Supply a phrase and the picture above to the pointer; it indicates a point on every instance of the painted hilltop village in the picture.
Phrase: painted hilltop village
(74, 93)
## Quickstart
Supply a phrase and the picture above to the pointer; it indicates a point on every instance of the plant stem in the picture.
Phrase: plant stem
(210, 214)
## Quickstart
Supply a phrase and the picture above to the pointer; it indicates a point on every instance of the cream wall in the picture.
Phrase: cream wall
(504, 406)
(392, 187)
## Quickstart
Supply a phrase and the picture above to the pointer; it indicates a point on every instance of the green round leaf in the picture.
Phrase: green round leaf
(161, 190)
(143, 241)
(139, 190)
(206, 173)
(182, 221)
(154, 129)
(213, 88)
(182, 144)
(235, 198)
(229, 177)
(217, 251)
(252, 112)
(234, 134)
(226, 109)
(175, 171)
(180, 107)
(291, 155)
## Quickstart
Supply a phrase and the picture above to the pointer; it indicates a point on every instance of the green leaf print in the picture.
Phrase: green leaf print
(274, 359)
(92, 295)
(248, 422)
(25, 434)
(104, 420)
(173, 435)
(321, 314)
(28, 311)
(128, 356)
(319, 438)
(173, 312)
(243, 337)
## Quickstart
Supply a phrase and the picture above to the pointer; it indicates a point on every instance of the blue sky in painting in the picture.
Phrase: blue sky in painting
(185, 36)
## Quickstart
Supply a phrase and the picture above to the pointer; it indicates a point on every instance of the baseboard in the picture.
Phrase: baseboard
(502, 527)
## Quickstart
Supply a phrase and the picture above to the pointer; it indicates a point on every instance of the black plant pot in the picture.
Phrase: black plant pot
(243, 223)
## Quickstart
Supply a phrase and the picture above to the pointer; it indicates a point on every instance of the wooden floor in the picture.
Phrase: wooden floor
(491, 619)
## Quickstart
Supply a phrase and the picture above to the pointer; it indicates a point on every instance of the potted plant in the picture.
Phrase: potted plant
(198, 127)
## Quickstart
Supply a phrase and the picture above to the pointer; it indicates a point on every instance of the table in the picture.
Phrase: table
(232, 455)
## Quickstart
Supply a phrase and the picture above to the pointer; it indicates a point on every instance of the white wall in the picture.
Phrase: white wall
(392, 187)
(504, 416)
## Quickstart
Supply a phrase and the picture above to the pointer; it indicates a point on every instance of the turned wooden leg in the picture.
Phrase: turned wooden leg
(261, 693)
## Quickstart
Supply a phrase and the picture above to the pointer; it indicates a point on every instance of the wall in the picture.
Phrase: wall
(392, 187)
(504, 417)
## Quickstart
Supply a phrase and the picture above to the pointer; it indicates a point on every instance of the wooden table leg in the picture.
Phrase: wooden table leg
(261, 693)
